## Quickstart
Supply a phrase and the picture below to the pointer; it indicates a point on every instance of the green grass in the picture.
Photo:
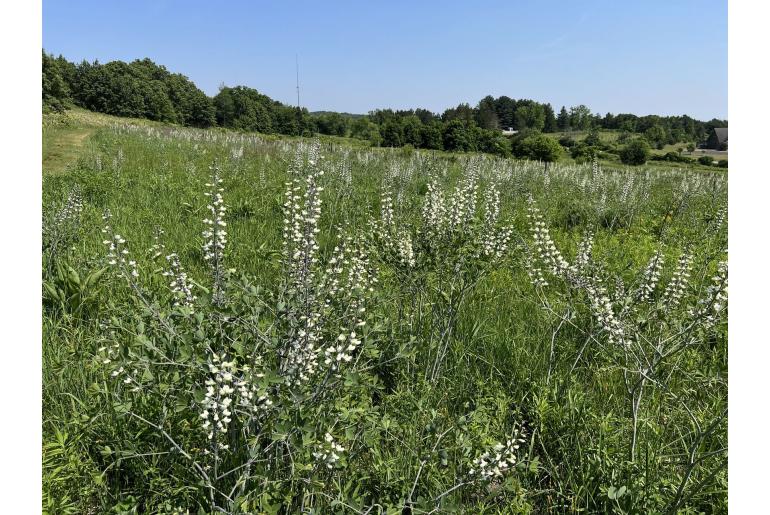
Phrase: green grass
(499, 366)
(605, 135)
(62, 146)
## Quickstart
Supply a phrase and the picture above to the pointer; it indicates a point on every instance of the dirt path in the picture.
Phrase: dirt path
(61, 147)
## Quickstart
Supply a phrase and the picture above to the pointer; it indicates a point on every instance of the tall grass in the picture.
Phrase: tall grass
(415, 342)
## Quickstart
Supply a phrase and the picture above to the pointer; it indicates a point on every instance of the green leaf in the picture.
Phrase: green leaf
(122, 407)
(52, 291)
(94, 277)
(73, 276)
(352, 379)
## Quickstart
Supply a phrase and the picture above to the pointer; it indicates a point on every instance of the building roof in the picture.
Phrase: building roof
(721, 134)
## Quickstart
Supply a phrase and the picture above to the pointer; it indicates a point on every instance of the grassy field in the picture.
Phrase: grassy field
(355, 330)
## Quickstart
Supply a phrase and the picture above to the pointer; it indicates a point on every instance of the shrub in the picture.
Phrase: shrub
(583, 153)
(492, 142)
(722, 163)
(593, 139)
(636, 152)
(541, 148)
(673, 157)
(706, 160)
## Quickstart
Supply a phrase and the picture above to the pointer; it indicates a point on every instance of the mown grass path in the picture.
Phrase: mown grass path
(62, 146)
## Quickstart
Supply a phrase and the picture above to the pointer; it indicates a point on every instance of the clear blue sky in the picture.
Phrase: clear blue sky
(643, 57)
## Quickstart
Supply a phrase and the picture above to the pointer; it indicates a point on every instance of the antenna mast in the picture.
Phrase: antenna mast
(296, 60)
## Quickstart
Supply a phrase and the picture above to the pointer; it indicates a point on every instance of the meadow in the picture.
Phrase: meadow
(236, 323)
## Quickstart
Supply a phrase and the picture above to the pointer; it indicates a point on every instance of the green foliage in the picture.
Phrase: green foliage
(363, 128)
(635, 152)
(493, 142)
(193, 108)
(541, 148)
(593, 139)
(246, 109)
(487, 117)
(706, 160)
(67, 293)
(567, 141)
(71, 484)
(502, 357)
(140, 89)
(550, 124)
(582, 153)
(393, 133)
(673, 157)
(431, 136)
(530, 116)
(411, 130)
(563, 121)
(460, 136)
(331, 123)
(56, 91)
(580, 117)
(656, 136)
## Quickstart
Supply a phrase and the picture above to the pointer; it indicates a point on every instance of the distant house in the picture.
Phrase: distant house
(717, 139)
(508, 131)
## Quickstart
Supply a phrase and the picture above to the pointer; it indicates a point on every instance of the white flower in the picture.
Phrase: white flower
(217, 398)
(496, 461)
(328, 452)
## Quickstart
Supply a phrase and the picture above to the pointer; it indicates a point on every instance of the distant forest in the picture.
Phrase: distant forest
(144, 89)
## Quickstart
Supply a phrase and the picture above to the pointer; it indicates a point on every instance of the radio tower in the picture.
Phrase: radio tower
(296, 61)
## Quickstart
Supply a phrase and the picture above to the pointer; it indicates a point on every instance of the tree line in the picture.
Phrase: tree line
(140, 89)
(144, 89)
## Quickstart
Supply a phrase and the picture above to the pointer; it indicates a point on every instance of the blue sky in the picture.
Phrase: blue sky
(643, 57)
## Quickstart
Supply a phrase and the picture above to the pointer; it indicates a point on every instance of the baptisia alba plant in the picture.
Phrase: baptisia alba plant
(246, 390)
(258, 398)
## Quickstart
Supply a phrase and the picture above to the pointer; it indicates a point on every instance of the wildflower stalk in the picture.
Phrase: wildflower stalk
(215, 235)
